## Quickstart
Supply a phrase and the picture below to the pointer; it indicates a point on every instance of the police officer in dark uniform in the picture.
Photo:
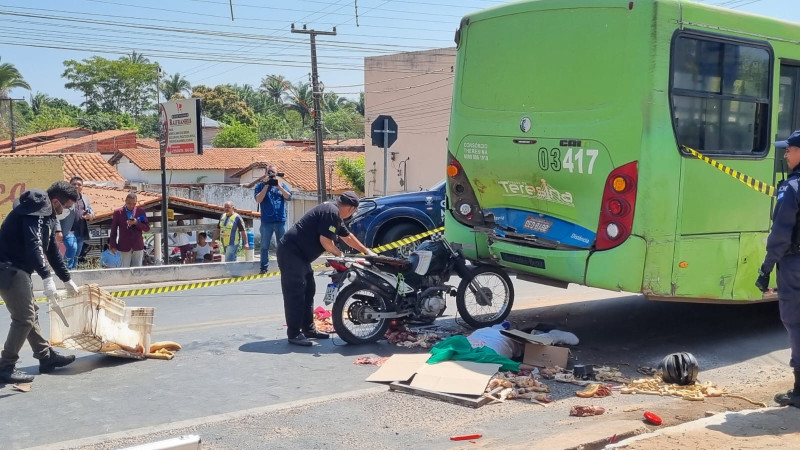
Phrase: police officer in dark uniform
(313, 234)
(783, 249)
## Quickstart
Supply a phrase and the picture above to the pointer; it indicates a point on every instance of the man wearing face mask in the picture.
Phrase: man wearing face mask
(27, 238)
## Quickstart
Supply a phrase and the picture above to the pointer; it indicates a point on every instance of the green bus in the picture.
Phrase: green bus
(566, 149)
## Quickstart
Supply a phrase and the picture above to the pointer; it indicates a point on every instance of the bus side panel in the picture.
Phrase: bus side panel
(706, 266)
(657, 277)
(751, 255)
(604, 269)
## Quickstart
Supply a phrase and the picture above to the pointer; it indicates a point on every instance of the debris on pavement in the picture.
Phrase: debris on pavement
(22, 387)
(594, 390)
(695, 392)
(647, 371)
(468, 437)
(510, 385)
(586, 411)
(398, 334)
(605, 373)
(652, 418)
(371, 360)
(323, 321)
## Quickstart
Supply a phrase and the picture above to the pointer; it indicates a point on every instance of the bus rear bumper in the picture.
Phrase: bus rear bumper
(563, 265)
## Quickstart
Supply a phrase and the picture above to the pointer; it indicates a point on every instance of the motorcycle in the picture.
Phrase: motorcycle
(369, 292)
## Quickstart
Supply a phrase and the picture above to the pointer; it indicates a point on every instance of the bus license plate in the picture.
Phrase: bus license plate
(330, 293)
(537, 224)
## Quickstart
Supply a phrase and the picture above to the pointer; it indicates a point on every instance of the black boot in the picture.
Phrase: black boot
(792, 397)
(11, 375)
(54, 361)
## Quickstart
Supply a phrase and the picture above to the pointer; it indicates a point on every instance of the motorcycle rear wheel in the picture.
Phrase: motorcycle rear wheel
(496, 287)
(346, 310)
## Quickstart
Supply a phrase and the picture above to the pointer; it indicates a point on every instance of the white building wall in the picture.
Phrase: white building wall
(416, 89)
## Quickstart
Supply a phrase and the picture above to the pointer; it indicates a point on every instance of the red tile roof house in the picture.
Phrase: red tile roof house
(72, 140)
(231, 173)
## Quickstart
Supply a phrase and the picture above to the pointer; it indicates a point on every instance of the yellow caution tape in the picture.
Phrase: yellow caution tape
(760, 186)
(407, 240)
(205, 284)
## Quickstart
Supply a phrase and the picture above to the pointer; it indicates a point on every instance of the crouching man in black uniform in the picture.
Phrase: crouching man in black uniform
(783, 248)
(313, 234)
(26, 236)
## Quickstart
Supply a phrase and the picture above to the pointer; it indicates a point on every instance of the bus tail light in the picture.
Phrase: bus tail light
(462, 200)
(616, 212)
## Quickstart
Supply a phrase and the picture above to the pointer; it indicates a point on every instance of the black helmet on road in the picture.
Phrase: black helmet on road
(679, 368)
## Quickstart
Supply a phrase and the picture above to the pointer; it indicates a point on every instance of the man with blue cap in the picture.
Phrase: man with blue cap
(783, 249)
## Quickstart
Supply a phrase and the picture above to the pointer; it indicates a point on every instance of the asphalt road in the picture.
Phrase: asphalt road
(239, 384)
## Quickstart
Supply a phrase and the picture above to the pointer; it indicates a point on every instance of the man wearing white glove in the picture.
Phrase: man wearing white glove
(26, 240)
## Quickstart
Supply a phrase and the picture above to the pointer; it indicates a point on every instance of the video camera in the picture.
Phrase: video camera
(272, 177)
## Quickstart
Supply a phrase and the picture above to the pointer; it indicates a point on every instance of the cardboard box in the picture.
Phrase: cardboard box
(537, 351)
(454, 377)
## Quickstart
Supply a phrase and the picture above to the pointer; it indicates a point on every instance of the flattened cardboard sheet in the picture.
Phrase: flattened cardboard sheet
(399, 368)
(523, 337)
(455, 377)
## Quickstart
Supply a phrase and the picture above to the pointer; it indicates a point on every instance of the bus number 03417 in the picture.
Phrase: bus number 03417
(550, 159)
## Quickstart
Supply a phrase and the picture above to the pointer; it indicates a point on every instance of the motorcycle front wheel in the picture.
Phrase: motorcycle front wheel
(485, 297)
(348, 315)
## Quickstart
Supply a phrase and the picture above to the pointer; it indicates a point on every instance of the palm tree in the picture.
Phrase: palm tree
(38, 101)
(10, 78)
(302, 101)
(331, 102)
(360, 104)
(137, 58)
(174, 85)
(274, 86)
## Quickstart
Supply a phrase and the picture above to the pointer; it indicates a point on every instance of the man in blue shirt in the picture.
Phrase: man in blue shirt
(271, 196)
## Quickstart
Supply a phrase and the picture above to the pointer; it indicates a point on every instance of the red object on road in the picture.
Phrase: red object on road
(652, 418)
(466, 438)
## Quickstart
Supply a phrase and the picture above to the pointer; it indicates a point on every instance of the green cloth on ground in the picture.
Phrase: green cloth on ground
(458, 348)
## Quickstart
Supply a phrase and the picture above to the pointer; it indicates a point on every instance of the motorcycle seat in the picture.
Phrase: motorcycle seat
(389, 262)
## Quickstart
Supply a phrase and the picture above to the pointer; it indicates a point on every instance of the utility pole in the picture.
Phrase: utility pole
(11, 116)
(321, 190)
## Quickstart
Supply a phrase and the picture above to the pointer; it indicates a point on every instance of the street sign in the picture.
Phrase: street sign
(181, 127)
(382, 128)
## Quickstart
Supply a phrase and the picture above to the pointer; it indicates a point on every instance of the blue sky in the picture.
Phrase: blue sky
(256, 43)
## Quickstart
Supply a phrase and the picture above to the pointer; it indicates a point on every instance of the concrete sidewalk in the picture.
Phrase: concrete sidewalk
(748, 429)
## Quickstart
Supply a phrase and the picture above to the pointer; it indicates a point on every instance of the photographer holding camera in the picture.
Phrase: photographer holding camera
(272, 196)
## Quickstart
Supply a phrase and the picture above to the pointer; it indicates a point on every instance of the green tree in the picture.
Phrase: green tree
(48, 118)
(125, 85)
(359, 105)
(136, 58)
(236, 135)
(222, 103)
(273, 126)
(102, 121)
(302, 100)
(149, 126)
(352, 170)
(331, 102)
(10, 78)
(38, 101)
(274, 86)
(344, 123)
(175, 84)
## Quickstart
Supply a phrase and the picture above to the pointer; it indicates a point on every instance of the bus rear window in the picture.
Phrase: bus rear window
(721, 95)
(549, 60)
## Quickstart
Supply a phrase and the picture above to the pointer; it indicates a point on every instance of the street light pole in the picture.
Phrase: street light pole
(163, 152)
